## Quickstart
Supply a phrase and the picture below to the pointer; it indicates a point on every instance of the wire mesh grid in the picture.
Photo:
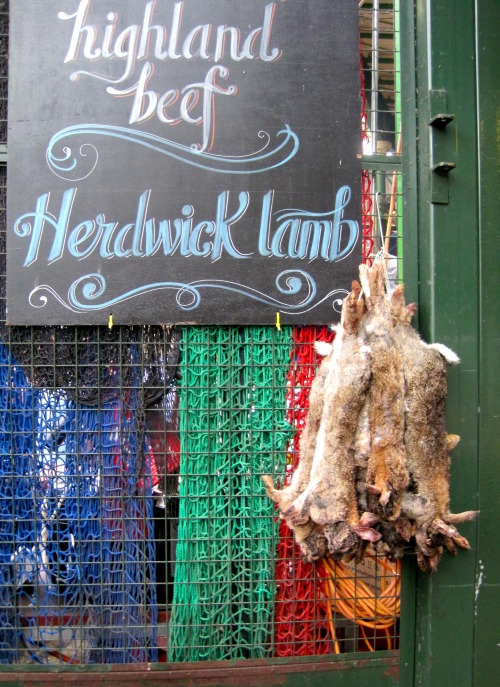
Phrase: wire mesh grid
(134, 526)
(380, 57)
(382, 134)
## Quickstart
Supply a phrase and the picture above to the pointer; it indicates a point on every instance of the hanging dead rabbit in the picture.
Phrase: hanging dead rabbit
(374, 465)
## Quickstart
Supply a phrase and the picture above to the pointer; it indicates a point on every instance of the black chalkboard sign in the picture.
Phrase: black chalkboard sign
(190, 162)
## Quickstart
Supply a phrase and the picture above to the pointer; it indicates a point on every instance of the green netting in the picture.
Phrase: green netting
(233, 430)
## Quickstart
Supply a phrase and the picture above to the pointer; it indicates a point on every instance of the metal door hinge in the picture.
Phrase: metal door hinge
(442, 147)
(439, 121)
(443, 168)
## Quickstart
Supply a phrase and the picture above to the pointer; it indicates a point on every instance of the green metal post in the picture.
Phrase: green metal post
(449, 299)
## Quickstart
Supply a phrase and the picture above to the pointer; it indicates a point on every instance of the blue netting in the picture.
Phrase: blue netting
(16, 502)
(76, 553)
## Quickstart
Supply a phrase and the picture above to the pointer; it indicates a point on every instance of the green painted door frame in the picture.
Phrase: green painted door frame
(457, 630)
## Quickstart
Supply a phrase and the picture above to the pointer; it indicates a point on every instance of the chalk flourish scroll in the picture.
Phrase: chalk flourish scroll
(75, 166)
(87, 293)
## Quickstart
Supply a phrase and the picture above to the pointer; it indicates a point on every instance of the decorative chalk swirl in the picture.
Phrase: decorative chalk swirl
(78, 165)
(288, 283)
(85, 291)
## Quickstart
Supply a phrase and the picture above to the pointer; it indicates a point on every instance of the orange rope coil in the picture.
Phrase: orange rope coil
(346, 594)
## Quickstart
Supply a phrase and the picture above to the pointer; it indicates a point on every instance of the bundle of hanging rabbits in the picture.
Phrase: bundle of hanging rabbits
(374, 464)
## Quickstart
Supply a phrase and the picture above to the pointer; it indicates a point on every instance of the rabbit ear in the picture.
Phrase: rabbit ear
(367, 533)
(323, 348)
(398, 303)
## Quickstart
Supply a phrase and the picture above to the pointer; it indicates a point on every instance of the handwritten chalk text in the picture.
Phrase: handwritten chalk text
(282, 234)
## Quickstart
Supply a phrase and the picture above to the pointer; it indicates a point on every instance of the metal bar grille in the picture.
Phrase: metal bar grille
(134, 526)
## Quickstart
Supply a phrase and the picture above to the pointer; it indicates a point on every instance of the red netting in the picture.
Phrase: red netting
(367, 218)
(301, 628)
(366, 182)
